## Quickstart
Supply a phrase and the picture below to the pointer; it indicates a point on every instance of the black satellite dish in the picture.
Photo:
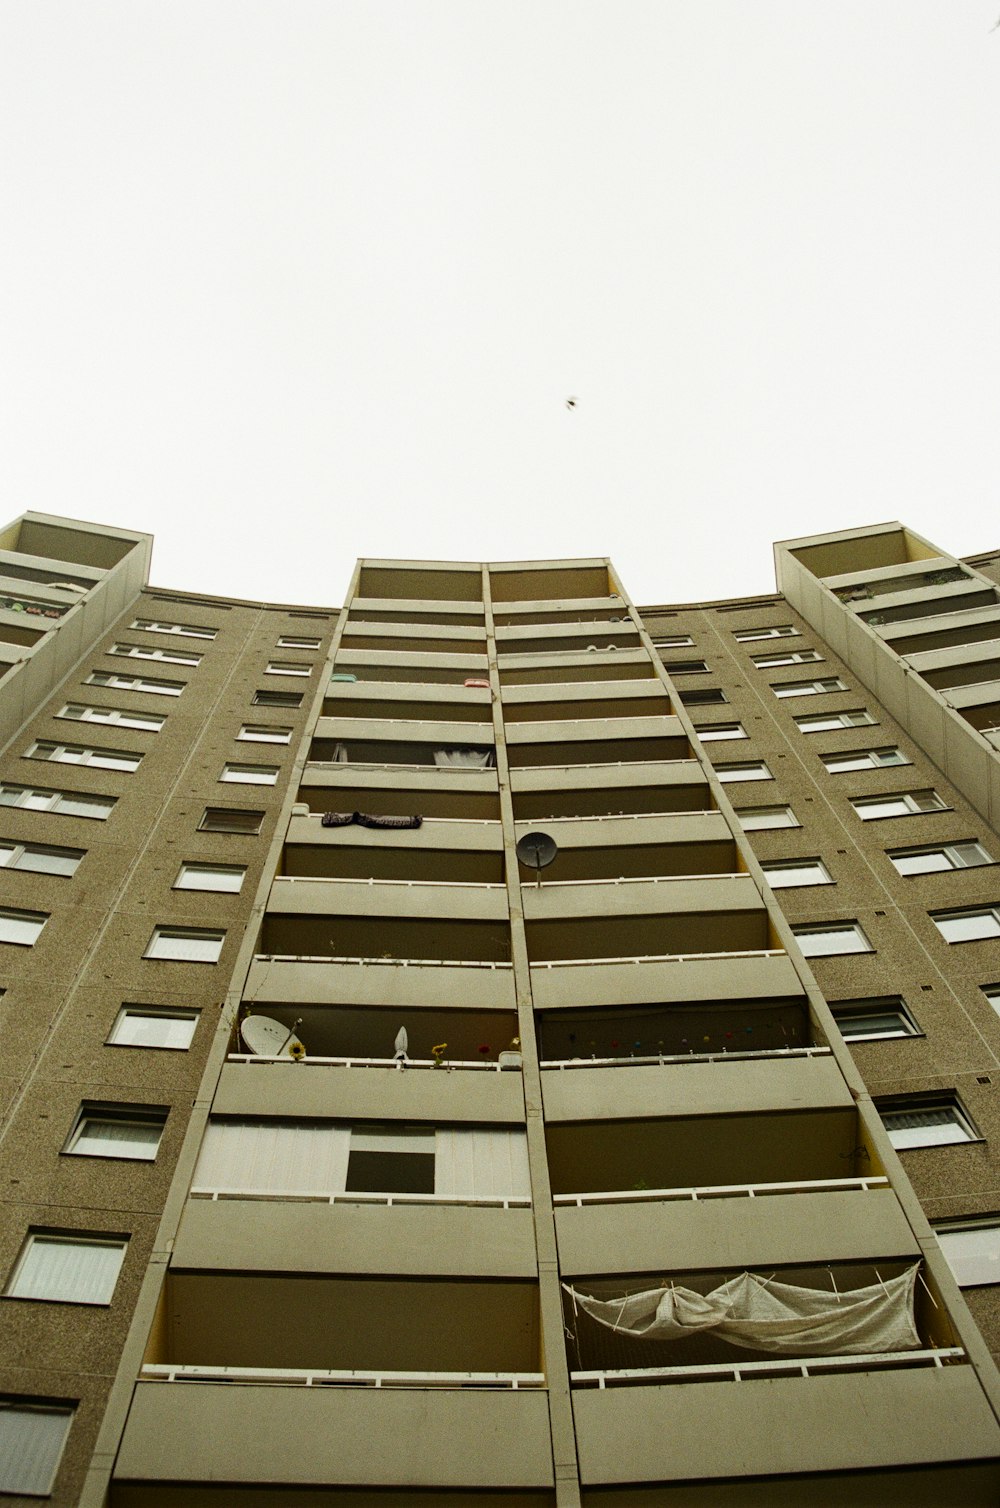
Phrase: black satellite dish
(536, 851)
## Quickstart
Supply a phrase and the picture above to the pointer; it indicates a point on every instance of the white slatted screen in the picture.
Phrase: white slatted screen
(481, 1162)
(274, 1157)
(31, 1442)
(71, 1270)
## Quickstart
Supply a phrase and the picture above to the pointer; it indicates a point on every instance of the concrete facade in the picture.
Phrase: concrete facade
(347, 1278)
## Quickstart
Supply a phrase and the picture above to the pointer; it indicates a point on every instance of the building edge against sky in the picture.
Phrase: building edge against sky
(746, 1022)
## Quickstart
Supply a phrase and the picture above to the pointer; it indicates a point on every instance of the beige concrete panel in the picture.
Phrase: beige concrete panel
(333, 983)
(423, 695)
(462, 664)
(642, 897)
(880, 571)
(582, 692)
(512, 612)
(693, 1089)
(300, 896)
(562, 661)
(785, 1424)
(442, 1096)
(353, 781)
(612, 832)
(643, 983)
(358, 627)
(973, 1486)
(982, 694)
(569, 731)
(404, 1437)
(439, 734)
(402, 1239)
(686, 1234)
(958, 654)
(673, 772)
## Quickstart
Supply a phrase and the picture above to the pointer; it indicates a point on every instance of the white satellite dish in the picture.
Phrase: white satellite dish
(402, 1043)
(267, 1038)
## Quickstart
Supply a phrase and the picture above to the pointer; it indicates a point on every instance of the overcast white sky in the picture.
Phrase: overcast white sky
(290, 281)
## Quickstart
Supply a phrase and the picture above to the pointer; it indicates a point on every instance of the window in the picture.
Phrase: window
(758, 819)
(758, 770)
(872, 1019)
(277, 698)
(685, 667)
(930, 860)
(828, 722)
(222, 877)
(250, 774)
(287, 667)
(786, 873)
(905, 804)
(711, 696)
(863, 759)
(185, 944)
(716, 732)
(154, 686)
(183, 630)
(791, 657)
(23, 927)
(292, 641)
(32, 1436)
(39, 859)
(117, 1131)
(142, 1026)
(67, 1269)
(674, 641)
(260, 733)
(147, 652)
(230, 819)
(992, 993)
(66, 803)
(751, 635)
(831, 938)
(926, 1121)
(148, 722)
(968, 926)
(101, 759)
(972, 1249)
(808, 688)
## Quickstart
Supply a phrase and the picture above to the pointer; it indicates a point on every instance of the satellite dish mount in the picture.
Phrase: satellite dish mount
(536, 851)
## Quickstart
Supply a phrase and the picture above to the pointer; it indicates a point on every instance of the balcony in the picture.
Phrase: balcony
(615, 847)
(457, 985)
(404, 791)
(600, 741)
(430, 668)
(414, 924)
(362, 1039)
(924, 634)
(609, 790)
(559, 610)
(620, 1039)
(437, 851)
(593, 699)
(409, 701)
(392, 740)
(390, 610)
(578, 984)
(569, 667)
(422, 581)
(529, 582)
(414, 638)
(572, 638)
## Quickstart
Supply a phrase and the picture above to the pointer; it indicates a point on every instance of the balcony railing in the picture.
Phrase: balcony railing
(648, 879)
(676, 1059)
(723, 1191)
(809, 1366)
(363, 1196)
(448, 1064)
(587, 963)
(377, 881)
(399, 963)
(308, 1378)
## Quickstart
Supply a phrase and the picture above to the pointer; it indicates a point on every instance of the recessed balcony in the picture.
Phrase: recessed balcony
(922, 635)
(572, 638)
(377, 665)
(574, 1043)
(570, 667)
(592, 699)
(402, 923)
(363, 1037)
(454, 794)
(531, 581)
(388, 610)
(422, 638)
(569, 791)
(565, 610)
(628, 847)
(436, 852)
(397, 741)
(423, 581)
(587, 741)
(467, 985)
(408, 701)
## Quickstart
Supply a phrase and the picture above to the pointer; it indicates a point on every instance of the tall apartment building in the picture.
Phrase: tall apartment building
(353, 1159)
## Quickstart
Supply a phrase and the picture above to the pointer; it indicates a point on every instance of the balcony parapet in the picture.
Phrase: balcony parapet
(303, 1378)
(806, 1366)
(665, 1060)
(358, 1196)
(723, 1191)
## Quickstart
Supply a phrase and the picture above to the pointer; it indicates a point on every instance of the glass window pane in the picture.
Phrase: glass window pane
(31, 1443)
(973, 1254)
(219, 877)
(809, 872)
(21, 926)
(820, 942)
(968, 926)
(68, 1270)
(250, 774)
(117, 1138)
(929, 862)
(138, 1028)
(49, 860)
(187, 946)
(82, 806)
(762, 818)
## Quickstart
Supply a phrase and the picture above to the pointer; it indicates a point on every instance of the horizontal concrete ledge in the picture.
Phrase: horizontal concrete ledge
(729, 976)
(225, 1432)
(319, 1091)
(364, 982)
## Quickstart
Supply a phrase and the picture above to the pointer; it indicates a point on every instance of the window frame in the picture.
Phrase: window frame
(298, 641)
(209, 817)
(936, 1101)
(929, 850)
(825, 686)
(181, 630)
(743, 771)
(95, 758)
(141, 685)
(57, 797)
(756, 635)
(42, 1484)
(64, 1238)
(262, 733)
(14, 914)
(290, 700)
(774, 659)
(118, 717)
(289, 667)
(862, 803)
(849, 761)
(834, 722)
(788, 866)
(102, 1113)
(231, 773)
(966, 1225)
(193, 866)
(20, 850)
(871, 1008)
(714, 733)
(766, 827)
(189, 658)
(961, 914)
(166, 932)
(673, 641)
(804, 930)
(130, 1012)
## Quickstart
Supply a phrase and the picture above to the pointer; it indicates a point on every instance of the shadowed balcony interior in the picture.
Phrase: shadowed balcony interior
(610, 750)
(593, 1346)
(986, 717)
(475, 708)
(625, 1033)
(930, 606)
(609, 611)
(612, 667)
(588, 639)
(617, 706)
(706, 1150)
(945, 637)
(438, 613)
(471, 1036)
(393, 669)
(625, 936)
(398, 752)
(421, 583)
(963, 675)
(375, 937)
(611, 801)
(634, 858)
(326, 790)
(392, 861)
(549, 584)
(401, 637)
(425, 1325)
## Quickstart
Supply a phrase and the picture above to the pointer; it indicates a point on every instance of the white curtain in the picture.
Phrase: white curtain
(274, 1157)
(481, 1162)
(340, 755)
(464, 759)
(767, 1316)
(31, 1442)
(74, 1271)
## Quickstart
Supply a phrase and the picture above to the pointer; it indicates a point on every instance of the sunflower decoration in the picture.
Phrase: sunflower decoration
(438, 1052)
(297, 1051)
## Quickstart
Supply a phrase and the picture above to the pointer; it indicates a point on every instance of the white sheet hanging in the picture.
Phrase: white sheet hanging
(274, 1157)
(764, 1315)
(464, 759)
(481, 1163)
